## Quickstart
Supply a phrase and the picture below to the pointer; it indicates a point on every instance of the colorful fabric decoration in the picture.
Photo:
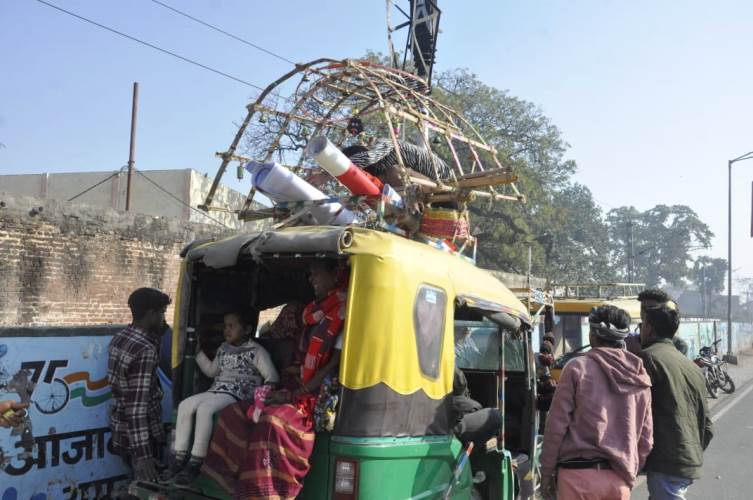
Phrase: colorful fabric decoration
(260, 394)
(445, 224)
(277, 461)
(288, 324)
(326, 404)
(326, 317)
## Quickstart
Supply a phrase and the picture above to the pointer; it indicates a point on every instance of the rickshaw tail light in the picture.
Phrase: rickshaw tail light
(346, 479)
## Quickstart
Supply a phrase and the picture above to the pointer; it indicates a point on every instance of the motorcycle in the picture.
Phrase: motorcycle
(714, 370)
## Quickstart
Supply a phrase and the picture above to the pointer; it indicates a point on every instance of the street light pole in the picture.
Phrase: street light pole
(746, 156)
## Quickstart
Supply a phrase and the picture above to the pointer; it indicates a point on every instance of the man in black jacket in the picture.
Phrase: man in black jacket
(682, 427)
(473, 422)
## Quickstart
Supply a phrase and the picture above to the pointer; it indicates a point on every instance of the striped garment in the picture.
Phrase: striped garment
(382, 156)
(279, 448)
(263, 460)
(325, 319)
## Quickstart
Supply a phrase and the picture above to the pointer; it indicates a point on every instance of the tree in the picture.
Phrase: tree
(581, 249)
(560, 221)
(745, 313)
(708, 276)
(662, 240)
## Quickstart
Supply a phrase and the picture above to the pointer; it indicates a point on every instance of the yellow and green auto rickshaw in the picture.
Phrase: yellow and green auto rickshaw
(410, 309)
(574, 302)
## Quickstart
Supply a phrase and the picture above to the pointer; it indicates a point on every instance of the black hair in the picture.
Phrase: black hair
(663, 319)
(143, 300)
(655, 294)
(611, 316)
(245, 316)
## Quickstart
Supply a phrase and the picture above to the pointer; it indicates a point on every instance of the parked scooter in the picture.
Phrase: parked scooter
(714, 370)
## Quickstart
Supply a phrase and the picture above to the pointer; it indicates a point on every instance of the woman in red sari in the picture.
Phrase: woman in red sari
(269, 459)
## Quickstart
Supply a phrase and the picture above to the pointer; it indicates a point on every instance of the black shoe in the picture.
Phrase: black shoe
(190, 472)
(176, 466)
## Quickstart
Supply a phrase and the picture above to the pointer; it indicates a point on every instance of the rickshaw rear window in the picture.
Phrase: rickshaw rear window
(428, 324)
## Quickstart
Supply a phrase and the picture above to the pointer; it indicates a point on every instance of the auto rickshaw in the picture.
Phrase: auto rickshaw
(574, 302)
(407, 306)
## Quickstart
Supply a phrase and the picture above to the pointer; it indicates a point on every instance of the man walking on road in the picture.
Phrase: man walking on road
(682, 427)
(133, 358)
(598, 431)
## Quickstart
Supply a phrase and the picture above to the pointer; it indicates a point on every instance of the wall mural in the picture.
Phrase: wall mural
(62, 450)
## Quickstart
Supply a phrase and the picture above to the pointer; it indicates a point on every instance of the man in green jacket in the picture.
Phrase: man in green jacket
(682, 427)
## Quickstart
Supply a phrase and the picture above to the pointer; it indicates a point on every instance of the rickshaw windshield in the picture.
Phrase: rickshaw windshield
(479, 346)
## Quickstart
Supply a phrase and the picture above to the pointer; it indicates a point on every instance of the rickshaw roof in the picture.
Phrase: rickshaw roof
(584, 306)
(473, 286)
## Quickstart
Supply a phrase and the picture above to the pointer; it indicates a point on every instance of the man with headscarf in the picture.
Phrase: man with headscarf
(681, 416)
(599, 428)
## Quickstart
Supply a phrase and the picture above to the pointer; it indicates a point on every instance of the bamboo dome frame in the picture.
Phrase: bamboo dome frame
(395, 98)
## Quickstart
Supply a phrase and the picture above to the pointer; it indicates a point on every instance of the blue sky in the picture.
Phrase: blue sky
(653, 97)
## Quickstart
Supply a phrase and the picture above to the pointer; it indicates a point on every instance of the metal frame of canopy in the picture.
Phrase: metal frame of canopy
(344, 89)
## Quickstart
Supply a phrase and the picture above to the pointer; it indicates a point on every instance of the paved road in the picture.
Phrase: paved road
(728, 461)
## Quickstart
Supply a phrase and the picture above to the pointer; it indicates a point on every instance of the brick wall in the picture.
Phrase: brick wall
(72, 264)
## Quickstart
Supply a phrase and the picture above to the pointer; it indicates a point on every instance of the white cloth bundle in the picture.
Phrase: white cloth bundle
(280, 184)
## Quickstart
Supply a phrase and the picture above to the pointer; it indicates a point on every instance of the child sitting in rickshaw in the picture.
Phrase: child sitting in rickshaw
(272, 457)
(239, 366)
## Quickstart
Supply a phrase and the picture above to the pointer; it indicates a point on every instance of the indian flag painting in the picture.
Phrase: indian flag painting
(63, 448)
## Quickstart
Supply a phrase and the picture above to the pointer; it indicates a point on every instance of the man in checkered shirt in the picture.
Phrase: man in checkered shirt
(133, 358)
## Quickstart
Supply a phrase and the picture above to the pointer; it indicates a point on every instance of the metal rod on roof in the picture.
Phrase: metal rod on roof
(132, 150)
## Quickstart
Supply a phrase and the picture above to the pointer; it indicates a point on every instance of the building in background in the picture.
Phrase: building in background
(149, 192)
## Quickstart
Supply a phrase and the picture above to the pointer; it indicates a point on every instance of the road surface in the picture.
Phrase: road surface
(728, 461)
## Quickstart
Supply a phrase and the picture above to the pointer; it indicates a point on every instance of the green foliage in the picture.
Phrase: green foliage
(570, 238)
(560, 221)
(663, 238)
(708, 275)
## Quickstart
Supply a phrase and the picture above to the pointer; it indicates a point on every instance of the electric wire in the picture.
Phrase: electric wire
(171, 195)
(160, 49)
(117, 172)
(226, 33)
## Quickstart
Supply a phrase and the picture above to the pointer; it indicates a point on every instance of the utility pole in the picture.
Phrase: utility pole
(704, 296)
(747, 156)
(630, 252)
(530, 266)
(132, 151)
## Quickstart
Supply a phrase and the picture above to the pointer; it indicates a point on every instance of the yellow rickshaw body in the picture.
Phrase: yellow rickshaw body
(581, 307)
(386, 271)
(394, 419)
